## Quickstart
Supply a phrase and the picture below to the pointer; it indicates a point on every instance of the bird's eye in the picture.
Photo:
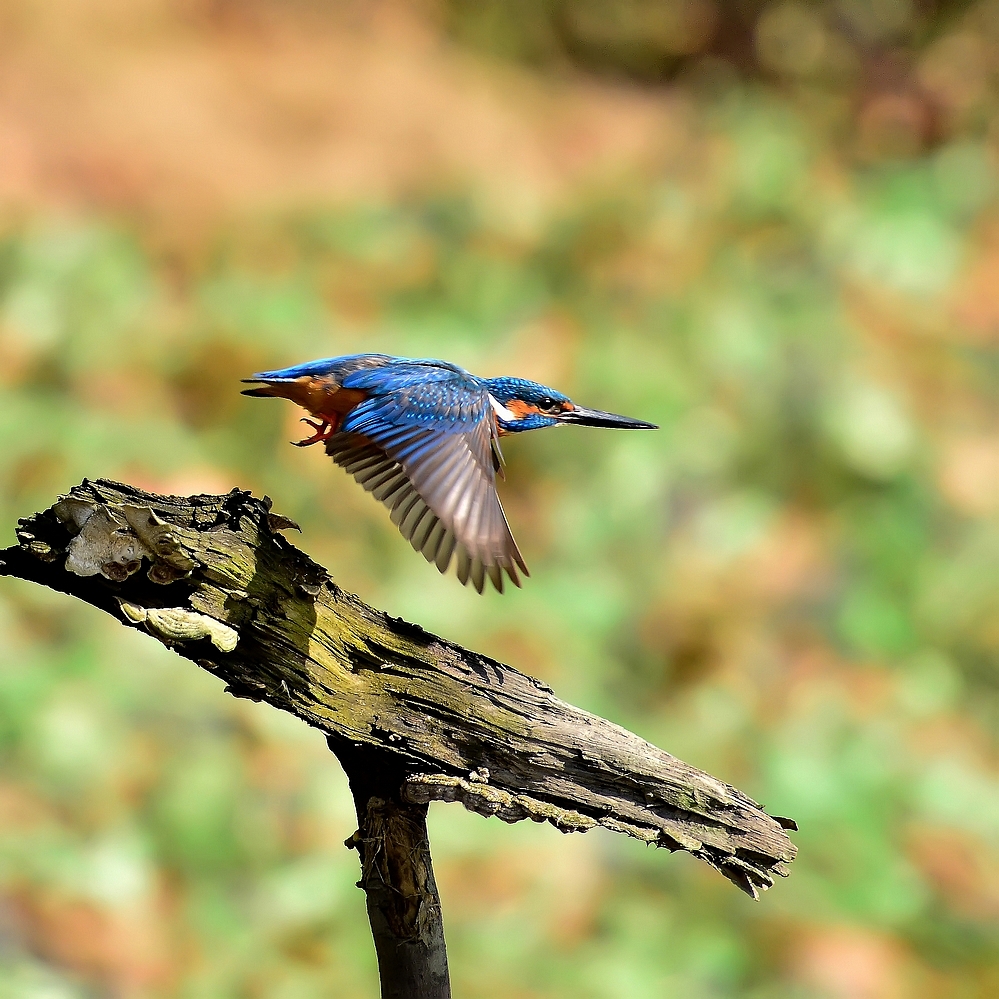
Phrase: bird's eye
(549, 405)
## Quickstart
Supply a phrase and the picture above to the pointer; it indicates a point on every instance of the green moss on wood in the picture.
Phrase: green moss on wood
(229, 592)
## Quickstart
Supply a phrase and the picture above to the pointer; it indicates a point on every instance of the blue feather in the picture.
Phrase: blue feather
(422, 436)
(326, 366)
(505, 389)
(441, 397)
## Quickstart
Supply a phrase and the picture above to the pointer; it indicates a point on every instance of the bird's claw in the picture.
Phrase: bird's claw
(323, 431)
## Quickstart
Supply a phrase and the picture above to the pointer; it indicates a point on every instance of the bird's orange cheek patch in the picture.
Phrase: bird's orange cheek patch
(520, 409)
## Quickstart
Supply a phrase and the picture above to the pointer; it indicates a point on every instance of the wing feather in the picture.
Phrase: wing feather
(446, 551)
(403, 504)
(433, 542)
(439, 485)
(412, 523)
(478, 575)
(464, 565)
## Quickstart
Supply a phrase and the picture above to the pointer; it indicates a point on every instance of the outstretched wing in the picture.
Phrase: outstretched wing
(424, 443)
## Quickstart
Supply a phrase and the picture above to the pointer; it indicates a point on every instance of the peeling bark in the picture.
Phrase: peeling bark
(213, 578)
(397, 875)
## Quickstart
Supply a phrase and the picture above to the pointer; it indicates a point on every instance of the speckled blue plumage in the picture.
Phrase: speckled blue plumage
(505, 389)
(425, 393)
(422, 436)
(336, 368)
(422, 391)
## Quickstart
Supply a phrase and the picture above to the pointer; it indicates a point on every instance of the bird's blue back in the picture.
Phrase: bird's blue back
(424, 393)
(336, 368)
(400, 390)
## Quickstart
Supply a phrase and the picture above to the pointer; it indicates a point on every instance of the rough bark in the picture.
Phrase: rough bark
(404, 907)
(213, 578)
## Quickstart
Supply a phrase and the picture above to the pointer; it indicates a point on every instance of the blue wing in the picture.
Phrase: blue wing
(424, 443)
(335, 368)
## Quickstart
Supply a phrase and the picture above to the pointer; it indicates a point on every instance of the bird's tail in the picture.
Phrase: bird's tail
(283, 390)
(275, 384)
(315, 395)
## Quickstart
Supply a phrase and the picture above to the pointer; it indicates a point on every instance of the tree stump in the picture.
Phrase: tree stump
(411, 718)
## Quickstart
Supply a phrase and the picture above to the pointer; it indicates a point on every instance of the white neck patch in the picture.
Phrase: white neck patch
(506, 415)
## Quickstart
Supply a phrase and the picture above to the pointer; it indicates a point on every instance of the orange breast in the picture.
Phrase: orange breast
(322, 397)
(342, 401)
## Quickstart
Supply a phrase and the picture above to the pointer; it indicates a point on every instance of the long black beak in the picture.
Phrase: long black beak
(594, 418)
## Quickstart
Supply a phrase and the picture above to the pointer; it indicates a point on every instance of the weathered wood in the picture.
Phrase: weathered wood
(404, 907)
(212, 577)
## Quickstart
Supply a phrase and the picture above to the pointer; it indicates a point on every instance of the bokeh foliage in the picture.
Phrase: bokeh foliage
(794, 584)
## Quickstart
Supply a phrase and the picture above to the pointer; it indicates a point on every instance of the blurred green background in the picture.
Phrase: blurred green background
(772, 228)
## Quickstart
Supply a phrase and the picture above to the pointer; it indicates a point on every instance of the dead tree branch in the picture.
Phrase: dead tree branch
(412, 718)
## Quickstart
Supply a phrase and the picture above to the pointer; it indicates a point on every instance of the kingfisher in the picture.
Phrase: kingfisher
(422, 436)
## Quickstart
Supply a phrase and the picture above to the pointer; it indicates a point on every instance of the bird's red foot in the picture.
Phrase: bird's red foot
(323, 431)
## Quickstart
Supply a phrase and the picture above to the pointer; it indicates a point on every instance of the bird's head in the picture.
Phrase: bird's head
(523, 405)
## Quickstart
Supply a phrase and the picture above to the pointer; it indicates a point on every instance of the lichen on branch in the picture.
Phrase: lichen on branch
(213, 578)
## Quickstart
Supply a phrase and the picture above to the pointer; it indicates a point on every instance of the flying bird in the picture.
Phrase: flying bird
(422, 436)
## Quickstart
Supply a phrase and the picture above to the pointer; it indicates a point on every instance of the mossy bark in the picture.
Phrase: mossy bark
(397, 876)
(214, 578)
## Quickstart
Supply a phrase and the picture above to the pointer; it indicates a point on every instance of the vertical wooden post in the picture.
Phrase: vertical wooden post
(397, 876)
